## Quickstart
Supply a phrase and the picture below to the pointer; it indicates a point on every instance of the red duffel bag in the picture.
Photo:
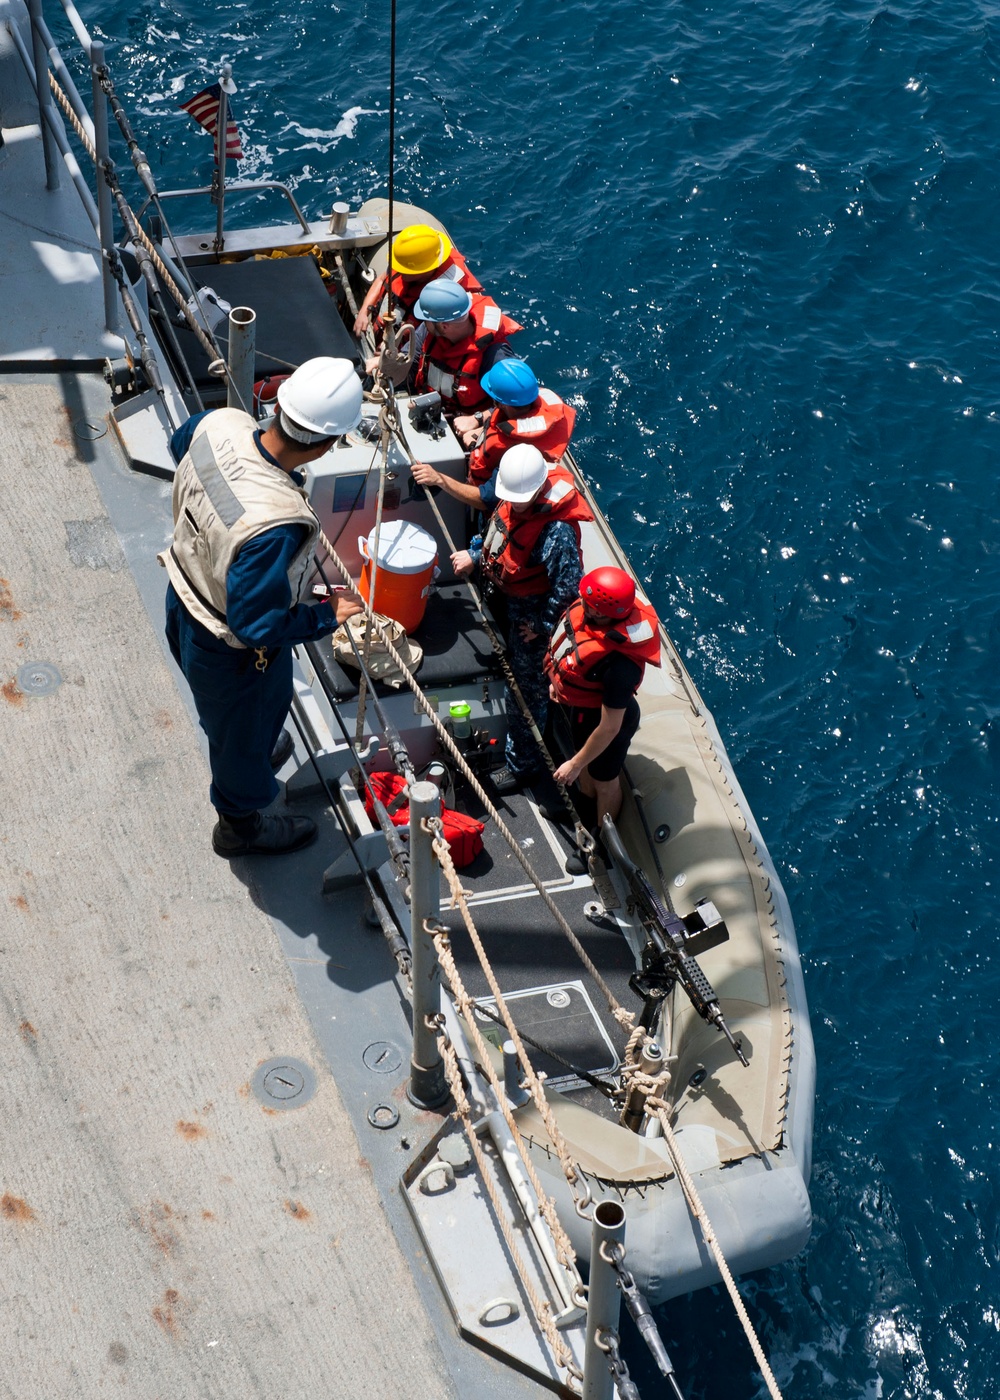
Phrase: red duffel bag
(464, 834)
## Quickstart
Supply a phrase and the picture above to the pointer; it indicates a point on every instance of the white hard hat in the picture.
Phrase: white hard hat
(321, 399)
(522, 473)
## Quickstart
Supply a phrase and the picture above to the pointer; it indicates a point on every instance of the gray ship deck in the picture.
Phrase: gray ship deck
(161, 1228)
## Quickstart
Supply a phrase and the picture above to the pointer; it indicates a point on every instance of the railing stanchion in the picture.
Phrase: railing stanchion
(104, 214)
(242, 358)
(45, 113)
(603, 1301)
(428, 1087)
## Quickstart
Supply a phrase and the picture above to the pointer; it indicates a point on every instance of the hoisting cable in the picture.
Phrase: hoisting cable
(614, 1253)
(392, 154)
(393, 367)
(372, 593)
(626, 1019)
(584, 840)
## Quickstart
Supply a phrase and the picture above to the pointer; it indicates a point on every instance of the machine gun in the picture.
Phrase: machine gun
(673, 942)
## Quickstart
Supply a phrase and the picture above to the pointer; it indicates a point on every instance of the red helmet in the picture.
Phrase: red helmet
(608, 592)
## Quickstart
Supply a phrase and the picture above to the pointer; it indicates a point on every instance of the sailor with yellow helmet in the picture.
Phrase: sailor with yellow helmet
(420, 255)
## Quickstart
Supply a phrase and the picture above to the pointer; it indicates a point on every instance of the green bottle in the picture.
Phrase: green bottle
(459, 712)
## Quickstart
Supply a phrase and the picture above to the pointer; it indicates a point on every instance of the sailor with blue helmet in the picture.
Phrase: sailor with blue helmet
(524, 412)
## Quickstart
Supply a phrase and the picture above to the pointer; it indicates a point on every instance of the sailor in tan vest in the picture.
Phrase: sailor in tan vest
(239, 563)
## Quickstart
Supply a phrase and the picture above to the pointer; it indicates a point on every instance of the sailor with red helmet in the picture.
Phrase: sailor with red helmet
(531, 554)
(595, 662)
(523, 412)
(420, 254)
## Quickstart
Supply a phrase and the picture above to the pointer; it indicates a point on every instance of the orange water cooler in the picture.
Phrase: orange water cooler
(407, 559)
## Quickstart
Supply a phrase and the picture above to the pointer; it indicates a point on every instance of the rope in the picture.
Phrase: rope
(359, 730)
(541, 1306)
(697, 1209)
(138, 234)
(626, 1019)
(534, 1081)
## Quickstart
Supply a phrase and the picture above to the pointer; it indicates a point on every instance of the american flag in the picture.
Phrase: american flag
(204, 107)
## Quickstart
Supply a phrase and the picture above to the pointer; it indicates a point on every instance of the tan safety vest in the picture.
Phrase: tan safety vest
(225, 493)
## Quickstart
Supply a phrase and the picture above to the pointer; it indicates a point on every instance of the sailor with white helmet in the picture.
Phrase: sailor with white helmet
(531, 554)
(239, 565)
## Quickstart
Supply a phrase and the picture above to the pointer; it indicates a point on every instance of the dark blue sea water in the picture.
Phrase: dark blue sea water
(757, 245)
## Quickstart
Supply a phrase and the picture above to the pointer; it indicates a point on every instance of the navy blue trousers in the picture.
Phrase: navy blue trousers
(242, 710)
(522, 754)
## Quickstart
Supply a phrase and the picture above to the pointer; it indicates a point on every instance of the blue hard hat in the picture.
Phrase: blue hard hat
(511, 381)
(443, 300)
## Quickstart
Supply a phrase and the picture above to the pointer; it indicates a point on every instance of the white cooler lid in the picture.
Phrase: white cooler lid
(403, 548)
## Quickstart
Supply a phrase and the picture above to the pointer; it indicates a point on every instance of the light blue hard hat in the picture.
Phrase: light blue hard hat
(443, 300)
(512, 382)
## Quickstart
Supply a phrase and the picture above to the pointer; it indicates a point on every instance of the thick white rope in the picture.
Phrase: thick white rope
(541, 1306)
(662, 1111)
(582, 1197)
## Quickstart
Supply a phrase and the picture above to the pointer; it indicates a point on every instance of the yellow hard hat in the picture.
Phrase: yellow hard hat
(418, 249)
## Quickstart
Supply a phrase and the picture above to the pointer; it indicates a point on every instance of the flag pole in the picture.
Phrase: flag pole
(226, 86)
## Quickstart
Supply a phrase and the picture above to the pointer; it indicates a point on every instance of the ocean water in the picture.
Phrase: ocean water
(756, 245)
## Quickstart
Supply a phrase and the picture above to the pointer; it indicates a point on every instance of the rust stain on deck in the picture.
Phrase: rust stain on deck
(191, 1131)
(16, 1208)
(8, 612)
(165, 1313)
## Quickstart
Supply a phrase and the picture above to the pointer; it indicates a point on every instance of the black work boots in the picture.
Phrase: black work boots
(260, 835)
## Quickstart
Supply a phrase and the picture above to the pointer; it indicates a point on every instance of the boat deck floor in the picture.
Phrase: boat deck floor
(550, 994)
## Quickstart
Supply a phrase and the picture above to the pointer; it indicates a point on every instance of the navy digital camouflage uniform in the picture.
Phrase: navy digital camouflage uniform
(557, 549)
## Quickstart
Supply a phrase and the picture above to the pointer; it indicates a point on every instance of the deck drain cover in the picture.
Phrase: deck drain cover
(284, 1083)
(38, 678)
(89, 431)
(382, 1057)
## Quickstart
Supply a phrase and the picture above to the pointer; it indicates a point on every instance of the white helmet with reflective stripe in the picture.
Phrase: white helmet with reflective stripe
(523, 471)
(321, 399)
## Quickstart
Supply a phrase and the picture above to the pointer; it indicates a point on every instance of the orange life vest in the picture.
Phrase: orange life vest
(547, 425)
(453, 369)
(406, 290)
(577, 646)
(510, 538)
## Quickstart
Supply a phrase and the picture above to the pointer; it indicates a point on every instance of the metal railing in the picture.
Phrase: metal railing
(45, 58)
